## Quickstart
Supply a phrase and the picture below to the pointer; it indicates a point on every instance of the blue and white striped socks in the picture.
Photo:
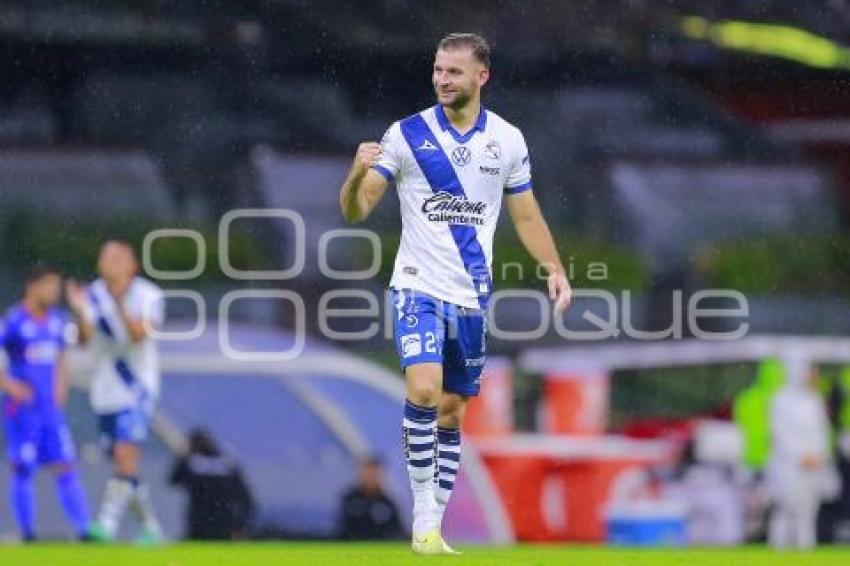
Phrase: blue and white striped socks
(419, 449)
(448, 462)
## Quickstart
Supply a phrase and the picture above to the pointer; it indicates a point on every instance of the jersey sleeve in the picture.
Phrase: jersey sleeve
(389, 164)
(519, 174)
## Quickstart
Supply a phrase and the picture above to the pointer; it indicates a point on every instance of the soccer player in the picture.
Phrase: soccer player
(115, 315)
(35, 386)
(452, 164)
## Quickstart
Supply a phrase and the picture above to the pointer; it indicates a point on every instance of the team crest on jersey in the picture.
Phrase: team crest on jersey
(411, 320)
(461, 156)
(493, 150)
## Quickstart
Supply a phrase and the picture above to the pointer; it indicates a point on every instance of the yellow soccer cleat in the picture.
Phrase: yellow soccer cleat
(428, 543)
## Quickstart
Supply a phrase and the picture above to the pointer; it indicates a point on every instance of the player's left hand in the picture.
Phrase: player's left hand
(76, 296)
(559, 290)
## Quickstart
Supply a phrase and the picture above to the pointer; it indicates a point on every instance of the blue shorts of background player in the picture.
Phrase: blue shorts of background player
(428, 329)
(128, 425)
(36, 437)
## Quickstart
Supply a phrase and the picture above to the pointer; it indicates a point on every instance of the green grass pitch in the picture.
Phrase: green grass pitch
(309, 554)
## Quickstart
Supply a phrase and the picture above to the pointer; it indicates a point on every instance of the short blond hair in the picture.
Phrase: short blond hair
(477, 44)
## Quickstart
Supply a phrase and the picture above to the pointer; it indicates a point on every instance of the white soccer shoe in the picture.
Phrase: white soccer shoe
(428, 543)
(448, 549)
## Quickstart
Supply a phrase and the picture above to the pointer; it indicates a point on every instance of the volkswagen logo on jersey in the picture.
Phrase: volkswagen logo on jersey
(461, 156)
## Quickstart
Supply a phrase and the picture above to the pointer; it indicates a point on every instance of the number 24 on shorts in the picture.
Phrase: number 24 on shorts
(411, 344)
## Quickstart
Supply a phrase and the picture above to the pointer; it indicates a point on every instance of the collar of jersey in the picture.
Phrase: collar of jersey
(443, 120)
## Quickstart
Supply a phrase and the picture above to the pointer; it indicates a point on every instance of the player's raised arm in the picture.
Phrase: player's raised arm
(535, 236)
(364, 186)
(60, 385)
(75, 294)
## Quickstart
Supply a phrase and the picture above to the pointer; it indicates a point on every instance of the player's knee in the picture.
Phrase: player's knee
(423, 386)
(450, 416)
(423, 392)
(450, 420)
(451, 411)
(126, 458)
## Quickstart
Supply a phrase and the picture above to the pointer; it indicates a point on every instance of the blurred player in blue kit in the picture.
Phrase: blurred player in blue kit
(452, 164)
(35, 387)
(115, 315)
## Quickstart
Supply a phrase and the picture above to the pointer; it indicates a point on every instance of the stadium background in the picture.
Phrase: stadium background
(686, 146)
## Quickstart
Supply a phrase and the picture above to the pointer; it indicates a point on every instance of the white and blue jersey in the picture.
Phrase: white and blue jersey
(450, 187)
(36, 431)
(126, 381)
(123, 371)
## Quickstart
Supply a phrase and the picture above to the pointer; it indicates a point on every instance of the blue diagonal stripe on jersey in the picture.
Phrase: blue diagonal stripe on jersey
(440, 174)
(121, 367)
(102, 323)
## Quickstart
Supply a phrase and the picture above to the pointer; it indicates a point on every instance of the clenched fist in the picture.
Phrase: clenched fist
(368, 154)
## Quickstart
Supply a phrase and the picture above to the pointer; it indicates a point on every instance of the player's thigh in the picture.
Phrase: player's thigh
(419, 328)
(464, 353)
(419, 332)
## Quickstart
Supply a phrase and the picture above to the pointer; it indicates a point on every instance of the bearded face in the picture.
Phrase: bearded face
(457, 77)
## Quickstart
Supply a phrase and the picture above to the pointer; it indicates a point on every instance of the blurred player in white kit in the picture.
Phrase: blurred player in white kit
(800, 473)
(115, 315)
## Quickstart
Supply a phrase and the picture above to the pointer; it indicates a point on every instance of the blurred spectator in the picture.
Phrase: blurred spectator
(800, 472)
(751, 411)
(366, 512)
(712, 498)
(220, 504)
